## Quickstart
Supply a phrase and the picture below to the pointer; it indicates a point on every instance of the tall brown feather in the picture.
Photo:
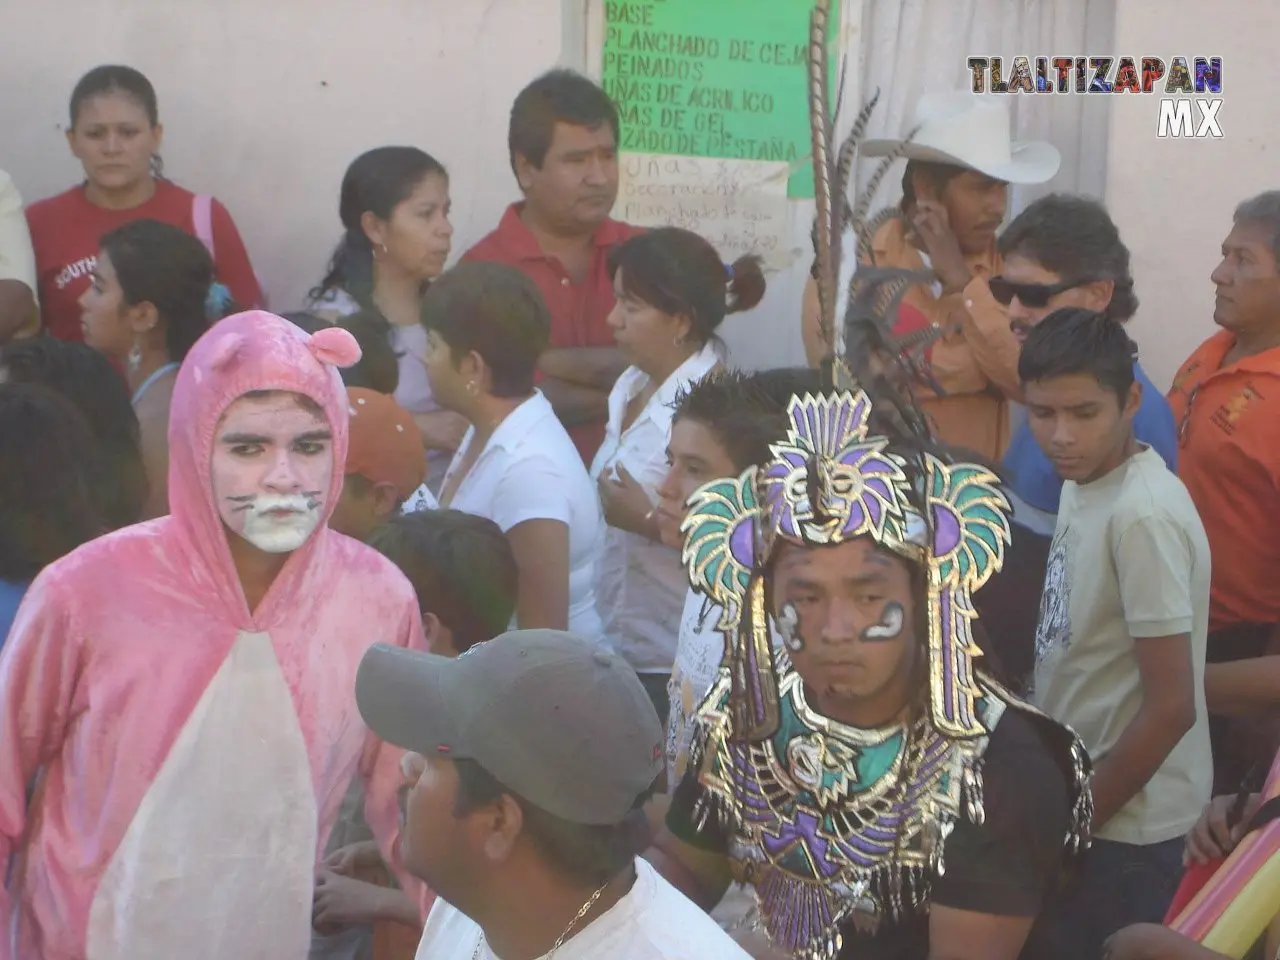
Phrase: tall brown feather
(820, 131)
(873, 185)
(868, 229)
(849, 149)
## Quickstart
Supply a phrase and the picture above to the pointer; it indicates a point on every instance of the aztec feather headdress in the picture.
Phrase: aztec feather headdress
(832, 479)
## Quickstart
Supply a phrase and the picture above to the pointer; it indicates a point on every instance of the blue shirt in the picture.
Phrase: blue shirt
(1031, 475)
(11, 593)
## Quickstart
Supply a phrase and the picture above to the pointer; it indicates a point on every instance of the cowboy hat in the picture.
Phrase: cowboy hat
(973, 131)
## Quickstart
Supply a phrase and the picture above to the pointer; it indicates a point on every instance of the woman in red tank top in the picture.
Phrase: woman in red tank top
(115, 133)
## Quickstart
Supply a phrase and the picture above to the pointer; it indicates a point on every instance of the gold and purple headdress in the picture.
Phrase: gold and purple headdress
(834, 478)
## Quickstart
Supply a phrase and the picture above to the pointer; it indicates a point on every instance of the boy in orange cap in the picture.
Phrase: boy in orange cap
(386, 463)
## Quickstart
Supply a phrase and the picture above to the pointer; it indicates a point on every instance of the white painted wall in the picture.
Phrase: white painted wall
(1173, 199)
(265, 102)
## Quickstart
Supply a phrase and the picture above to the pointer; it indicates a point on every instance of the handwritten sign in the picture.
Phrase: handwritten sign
(739, 206)
(712, 78)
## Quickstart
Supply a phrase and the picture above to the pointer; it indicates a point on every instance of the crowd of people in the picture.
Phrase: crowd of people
(489, 612)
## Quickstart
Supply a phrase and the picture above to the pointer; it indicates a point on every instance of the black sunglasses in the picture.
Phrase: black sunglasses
(1034, 295)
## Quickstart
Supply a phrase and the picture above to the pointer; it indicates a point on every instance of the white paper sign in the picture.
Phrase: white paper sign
(739, 206)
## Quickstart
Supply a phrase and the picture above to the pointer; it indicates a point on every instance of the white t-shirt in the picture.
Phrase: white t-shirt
(17, 261)
(642, 583)
(699, 653)
(420, 499)
(530, 470)
(1129, 564)
(654, 921)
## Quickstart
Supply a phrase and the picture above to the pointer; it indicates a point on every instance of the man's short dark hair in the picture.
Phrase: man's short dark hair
(1264, 211)
(588, 855)
(47, 504)
(745, 411)
(498, 312)
(461, 567)
(86, 377)
(1074, 341)
(1075, 238)
(558, 96)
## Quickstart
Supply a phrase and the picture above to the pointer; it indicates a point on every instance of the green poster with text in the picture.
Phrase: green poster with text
(713, 78)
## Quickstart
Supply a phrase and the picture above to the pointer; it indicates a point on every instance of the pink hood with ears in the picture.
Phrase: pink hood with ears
(117, 646)
(243, 353)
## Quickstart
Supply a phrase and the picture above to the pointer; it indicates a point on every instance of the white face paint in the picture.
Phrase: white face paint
(271, 469)
(789, 627)
(890, 625)
(277, 524)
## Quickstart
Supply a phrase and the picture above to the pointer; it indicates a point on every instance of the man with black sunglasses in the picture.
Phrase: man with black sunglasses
(1065, 251)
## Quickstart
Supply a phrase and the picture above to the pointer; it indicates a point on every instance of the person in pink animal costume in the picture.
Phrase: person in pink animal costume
(178, 723)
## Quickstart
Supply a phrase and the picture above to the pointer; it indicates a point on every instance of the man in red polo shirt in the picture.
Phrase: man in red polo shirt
(563, 140)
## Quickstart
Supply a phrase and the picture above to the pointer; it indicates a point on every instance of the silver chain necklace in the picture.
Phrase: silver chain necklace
(586, 907)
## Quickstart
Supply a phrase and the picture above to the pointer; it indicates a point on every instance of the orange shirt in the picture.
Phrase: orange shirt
(578, 310)
(977, 366)
(1229, 459)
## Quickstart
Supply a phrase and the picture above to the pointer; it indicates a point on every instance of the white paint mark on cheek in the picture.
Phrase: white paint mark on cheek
(789, 628)
(890, 625)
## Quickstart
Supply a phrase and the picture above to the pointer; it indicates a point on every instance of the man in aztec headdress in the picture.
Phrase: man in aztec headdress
(882, 795)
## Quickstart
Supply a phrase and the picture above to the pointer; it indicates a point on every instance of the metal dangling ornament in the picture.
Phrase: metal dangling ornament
(134, 360)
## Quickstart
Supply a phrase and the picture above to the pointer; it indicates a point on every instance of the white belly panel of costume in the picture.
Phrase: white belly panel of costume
(219, 859)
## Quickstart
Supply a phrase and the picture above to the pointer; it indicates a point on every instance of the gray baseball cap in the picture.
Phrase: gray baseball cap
(557, 720)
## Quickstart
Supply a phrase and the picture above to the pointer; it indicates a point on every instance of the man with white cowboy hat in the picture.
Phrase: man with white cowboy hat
(959, 165)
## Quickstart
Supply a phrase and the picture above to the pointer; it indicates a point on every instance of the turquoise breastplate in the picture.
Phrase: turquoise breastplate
(832, 824)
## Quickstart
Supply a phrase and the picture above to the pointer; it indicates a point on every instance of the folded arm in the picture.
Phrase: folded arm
(573, 403)
(594, 367)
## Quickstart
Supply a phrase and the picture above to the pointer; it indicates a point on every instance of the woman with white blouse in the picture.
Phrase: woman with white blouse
(672, 291)
(486, 326)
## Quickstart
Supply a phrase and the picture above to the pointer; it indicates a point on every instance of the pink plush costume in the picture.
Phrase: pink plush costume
(192, 755)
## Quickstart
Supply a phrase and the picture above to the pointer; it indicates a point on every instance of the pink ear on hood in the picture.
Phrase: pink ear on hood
(225, 350)
(335, 346)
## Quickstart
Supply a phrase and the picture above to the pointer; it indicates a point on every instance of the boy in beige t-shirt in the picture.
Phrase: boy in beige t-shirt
(1120, 646)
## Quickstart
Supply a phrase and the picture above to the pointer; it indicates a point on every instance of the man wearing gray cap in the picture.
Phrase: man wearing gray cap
(531, 757)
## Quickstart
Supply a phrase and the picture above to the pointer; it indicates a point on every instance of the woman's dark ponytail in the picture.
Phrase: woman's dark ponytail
(377, 182)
